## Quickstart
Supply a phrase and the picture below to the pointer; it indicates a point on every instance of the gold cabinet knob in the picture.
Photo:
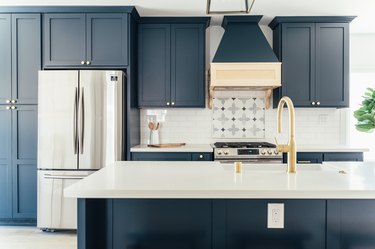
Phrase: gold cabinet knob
(13, 107)
(200, 156)
(318, 103)
(7, 107)
(172, 103)
(7, 101)
(82, 62)
(313, 103)
(88, 62)
(168, 103)
(13, 101)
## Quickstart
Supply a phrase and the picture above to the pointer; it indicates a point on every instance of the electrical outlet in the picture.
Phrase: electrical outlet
(275, 218)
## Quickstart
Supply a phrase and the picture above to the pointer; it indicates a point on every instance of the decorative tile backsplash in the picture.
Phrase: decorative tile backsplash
(241, 117)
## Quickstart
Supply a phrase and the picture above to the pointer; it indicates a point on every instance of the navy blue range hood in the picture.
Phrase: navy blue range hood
(243, 41)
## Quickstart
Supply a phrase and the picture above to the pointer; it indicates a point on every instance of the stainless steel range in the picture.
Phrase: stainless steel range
(246, 152)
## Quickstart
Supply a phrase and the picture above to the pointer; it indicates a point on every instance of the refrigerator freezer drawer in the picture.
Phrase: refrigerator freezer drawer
(54, 210)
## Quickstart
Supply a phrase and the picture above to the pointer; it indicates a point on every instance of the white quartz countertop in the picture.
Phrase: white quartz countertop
(185, 148)
(213, 180)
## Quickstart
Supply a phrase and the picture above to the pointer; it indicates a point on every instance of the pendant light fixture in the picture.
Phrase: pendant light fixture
(229, 6)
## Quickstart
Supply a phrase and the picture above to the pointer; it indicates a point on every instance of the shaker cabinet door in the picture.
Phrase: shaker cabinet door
(154, 65)
(64, 39)
(24, 158)
(5, 164)
(107, 39)
(26, 57)
(187, 65)
(5, 58)
(298, 58)
(332, 64)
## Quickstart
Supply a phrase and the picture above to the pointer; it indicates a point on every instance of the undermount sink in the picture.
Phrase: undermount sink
(279, 167)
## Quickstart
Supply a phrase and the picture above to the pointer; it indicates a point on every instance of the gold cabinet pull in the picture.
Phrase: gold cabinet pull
(318, 103)
(13, 107)
(7, 101)
(306, 162)
(82, 62)
(168, 103)
(7, 107)
(13, 101)
(172, 103)
(200, 156)
(313, 103)
(88, 62)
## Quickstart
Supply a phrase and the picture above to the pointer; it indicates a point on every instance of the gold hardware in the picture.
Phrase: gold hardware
(88, 62)
(7, 101)
(268, 99)
(313, 103)
(306, 162)
(172, 103)
(238, 167)
(13, 107)
(82, 62)
(201, 156)
(168, 103)
(7, 107)
(318, 103)
(13, 101)
(289, 148)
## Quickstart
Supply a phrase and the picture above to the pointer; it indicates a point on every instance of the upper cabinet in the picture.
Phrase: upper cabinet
(172, 62)
(86, 40)
(20, 58)
(315, 60)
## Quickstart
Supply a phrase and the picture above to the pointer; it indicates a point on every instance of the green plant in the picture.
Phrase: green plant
(366, 113)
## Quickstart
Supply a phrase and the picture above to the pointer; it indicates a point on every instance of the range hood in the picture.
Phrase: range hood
(244, 60)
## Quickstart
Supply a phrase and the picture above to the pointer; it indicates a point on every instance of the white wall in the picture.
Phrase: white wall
(313, 126)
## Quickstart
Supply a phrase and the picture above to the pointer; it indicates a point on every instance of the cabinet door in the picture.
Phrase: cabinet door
(332, 64)
(5, 58)
(24, 155)
(343, 157)
(64, 40)
(298, 58)
(26, 57)
(107, 39)
(154, 65)
(5, 164)
(188, 65)
(156, 156)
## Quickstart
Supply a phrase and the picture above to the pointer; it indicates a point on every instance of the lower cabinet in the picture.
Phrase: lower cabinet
(319, 157)
(171, 156)
(18, 167)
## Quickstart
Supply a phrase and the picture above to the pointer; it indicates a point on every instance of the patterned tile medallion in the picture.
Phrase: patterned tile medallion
(241, 117)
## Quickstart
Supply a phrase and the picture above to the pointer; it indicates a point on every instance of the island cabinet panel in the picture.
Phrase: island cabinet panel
(350, 224)
(315, 60)
(246, 225)
(319, 157)
(86, 40)
(171, 156)
(5, 58)
(172, 62)
(162, 224)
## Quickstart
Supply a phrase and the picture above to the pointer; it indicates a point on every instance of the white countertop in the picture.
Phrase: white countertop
(185, 148)
(213, 180)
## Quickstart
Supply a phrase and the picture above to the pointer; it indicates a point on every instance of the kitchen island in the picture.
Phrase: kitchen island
(207, 205)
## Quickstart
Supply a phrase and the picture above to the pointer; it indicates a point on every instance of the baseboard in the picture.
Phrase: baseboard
(17, 222)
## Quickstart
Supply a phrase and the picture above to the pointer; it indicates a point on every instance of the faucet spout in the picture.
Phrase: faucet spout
(289, 148)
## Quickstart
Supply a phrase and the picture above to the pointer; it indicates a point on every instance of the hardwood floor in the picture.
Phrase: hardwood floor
(14, 237)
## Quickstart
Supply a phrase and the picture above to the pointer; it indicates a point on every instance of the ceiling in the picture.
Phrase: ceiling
(364, 9)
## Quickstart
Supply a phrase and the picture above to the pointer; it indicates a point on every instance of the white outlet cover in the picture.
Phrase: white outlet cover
(275, 215)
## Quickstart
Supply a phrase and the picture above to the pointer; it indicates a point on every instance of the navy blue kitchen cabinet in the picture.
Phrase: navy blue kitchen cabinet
(319, 157)
(24, 161)
(172, 62)
(171, 156)
(246, 225)
(5, 164)
(20, 60)
(315, 56)
(86, 40)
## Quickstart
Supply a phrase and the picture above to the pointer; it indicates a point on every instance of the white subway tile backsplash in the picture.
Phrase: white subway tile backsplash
(313, 126)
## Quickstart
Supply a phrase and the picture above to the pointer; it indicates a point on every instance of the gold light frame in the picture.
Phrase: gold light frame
(246, 11)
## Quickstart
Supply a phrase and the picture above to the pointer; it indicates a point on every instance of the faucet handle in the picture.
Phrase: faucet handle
(284, 148)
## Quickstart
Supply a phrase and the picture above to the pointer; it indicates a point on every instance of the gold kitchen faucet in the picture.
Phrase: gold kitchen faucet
(289, 148)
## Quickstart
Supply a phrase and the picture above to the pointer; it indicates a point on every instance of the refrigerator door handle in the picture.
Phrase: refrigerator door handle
(81, 120)
(73, 177)
(75, 122)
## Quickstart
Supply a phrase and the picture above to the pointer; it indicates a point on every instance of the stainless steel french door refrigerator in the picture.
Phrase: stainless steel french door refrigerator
(80, 124)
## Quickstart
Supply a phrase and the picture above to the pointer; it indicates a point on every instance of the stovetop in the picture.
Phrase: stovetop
(244, 145)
